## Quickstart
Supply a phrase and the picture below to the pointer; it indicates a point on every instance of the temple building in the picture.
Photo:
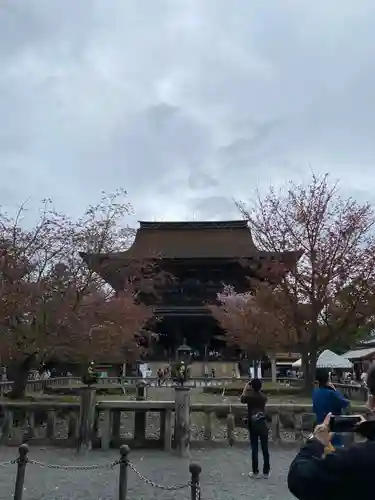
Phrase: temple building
(197, 259)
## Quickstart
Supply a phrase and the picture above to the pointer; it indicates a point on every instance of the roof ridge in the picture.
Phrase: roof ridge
(227, 224)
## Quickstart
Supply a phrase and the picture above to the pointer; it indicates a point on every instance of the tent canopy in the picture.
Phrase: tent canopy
(329, 359)
(359, 354)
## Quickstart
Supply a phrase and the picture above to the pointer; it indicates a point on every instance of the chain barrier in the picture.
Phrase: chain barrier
(109, 465)
(10, 462)
(156, 485)
(124, 464)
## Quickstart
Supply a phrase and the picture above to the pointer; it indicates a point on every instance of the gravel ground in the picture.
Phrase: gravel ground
(224, 476)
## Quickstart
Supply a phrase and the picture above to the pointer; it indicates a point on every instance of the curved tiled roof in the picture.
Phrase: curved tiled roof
(191, 240)
(176, 240)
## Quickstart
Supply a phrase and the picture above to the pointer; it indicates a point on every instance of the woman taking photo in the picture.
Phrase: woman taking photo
(258, 429)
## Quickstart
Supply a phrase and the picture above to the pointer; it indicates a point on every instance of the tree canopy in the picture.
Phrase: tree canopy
(328, 297)
(52, 305)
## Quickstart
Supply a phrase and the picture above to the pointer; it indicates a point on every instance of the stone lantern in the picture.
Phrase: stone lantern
(184, 353)
(183, 358)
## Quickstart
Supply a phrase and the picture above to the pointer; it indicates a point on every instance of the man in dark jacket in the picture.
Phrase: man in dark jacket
(344, 474)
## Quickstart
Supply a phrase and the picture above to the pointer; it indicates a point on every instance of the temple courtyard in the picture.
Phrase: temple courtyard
(224, 475)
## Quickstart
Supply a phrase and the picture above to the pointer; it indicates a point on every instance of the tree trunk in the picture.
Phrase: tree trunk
(19, 374)
(309, 369)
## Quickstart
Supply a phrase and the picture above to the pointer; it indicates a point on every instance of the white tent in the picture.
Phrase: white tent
(329, 359)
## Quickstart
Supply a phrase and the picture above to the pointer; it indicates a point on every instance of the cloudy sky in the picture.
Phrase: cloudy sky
(185, 103)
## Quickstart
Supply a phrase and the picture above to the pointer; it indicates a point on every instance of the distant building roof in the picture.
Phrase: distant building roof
(360, 353)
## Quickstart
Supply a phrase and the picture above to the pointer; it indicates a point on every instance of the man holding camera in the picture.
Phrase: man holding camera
(344, 473)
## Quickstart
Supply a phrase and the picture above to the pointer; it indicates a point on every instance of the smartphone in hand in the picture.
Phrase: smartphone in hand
(344, 423)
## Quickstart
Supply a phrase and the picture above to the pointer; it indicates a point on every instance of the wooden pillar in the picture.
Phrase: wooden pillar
(86, 418)
(273, 368)
(182, 421)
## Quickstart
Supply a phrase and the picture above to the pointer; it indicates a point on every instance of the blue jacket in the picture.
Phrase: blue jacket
(327, 400)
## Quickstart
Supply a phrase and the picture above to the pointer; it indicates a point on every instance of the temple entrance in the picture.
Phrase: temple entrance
(201, 333)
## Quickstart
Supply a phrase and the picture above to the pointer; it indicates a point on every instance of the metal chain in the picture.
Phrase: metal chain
(110, 465)
(10, 462)
(156, 485)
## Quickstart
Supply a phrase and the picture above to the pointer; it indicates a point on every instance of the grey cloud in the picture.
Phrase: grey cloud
(214, 208)
(201, 180)
(172, 100)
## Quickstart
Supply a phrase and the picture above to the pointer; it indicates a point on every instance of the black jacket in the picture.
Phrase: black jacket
(345, 474)
(255, 401)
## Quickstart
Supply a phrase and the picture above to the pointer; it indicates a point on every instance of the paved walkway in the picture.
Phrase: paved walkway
(224, 476)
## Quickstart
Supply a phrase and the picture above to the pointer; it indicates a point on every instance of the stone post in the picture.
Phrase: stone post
(123, 479)
(140, 417)
(21, 469)
(182, 421)
(86, 418)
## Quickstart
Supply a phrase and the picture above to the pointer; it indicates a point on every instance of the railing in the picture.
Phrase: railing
(123, 464)
(149, 424)
(355, 392)
(35, 386)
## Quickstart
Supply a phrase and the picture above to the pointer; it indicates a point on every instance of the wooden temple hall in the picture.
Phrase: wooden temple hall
(197, 259)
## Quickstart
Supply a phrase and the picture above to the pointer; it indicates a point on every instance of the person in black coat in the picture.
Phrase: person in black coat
(343, 474)
(255, 400)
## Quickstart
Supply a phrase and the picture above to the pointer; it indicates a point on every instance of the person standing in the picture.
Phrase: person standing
(364, 379)
(327, 400)
(344, 474)
(255, 400)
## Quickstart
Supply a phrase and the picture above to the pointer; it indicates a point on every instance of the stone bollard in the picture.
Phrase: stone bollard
(182, 421)
(123, 479)
(195, 488)
(21, 469)
(86, 418)
(140, 417)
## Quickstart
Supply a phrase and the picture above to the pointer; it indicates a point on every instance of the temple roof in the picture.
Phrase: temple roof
(186, 240)
(191, 240)
(181, 240)
(223, 240)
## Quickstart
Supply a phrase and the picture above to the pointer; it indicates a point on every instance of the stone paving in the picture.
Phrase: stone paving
(224, 475)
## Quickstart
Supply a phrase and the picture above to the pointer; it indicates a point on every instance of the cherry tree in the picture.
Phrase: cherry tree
(328, 297)
(252, 325)
(52, 304)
